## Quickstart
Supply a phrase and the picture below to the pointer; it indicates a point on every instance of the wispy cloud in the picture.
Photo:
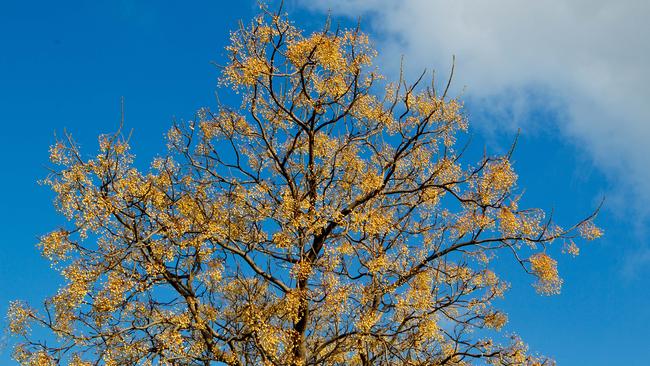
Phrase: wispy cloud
(588, 59)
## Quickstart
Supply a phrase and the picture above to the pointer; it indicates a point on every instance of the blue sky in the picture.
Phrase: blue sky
(67, 66)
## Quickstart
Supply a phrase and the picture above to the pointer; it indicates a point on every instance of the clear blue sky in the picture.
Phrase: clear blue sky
(66, 67)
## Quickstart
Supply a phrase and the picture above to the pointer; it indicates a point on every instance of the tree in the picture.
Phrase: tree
(328, 220)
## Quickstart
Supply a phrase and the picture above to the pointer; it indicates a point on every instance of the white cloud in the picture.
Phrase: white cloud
(590, 57)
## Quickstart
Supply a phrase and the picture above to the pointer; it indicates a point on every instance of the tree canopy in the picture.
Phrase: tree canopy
(330, 219)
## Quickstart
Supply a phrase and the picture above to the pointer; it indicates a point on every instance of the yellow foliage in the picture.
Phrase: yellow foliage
(545, 268)
(329, 219)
